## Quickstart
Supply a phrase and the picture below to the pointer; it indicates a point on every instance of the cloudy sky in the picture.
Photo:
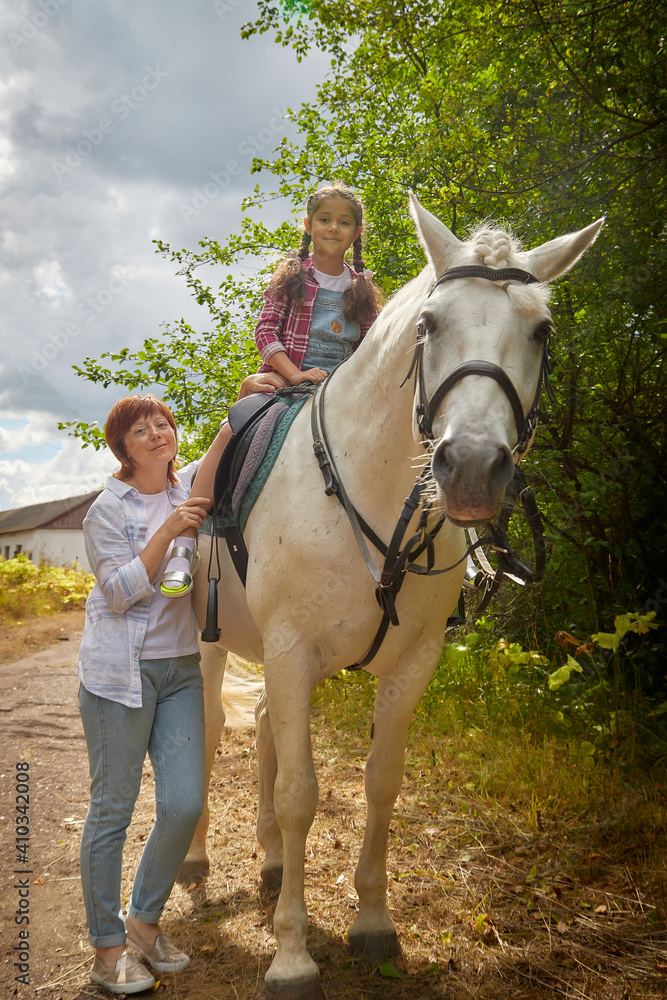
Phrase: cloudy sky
(120, 123)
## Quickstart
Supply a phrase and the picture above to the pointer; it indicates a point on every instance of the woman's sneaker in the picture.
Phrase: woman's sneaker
(126, 975)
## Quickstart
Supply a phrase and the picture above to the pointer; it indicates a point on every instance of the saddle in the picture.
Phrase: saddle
(256, 422)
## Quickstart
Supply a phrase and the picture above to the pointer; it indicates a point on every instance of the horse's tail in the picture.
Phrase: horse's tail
(240, 690)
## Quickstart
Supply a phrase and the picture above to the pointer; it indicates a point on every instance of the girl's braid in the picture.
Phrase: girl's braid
(305, 244)
(357, 257)
(360, 297)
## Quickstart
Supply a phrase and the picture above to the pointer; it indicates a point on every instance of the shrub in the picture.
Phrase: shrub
(28, 589)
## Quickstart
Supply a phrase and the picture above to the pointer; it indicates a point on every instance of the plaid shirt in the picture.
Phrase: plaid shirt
(285, 326)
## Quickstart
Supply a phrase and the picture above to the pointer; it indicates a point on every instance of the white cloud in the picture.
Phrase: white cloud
(71, 472)
(24, 429)
(77, 243)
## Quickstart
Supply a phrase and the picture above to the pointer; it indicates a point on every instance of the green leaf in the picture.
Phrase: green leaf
(389, 971)
(607, 640)
(563, 674)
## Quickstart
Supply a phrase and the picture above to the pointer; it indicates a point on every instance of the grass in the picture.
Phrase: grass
(540, 812)
(580, 754)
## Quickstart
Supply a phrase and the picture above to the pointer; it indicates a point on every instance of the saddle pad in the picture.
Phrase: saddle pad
(256, 452)
(255, 476)
(271, 453)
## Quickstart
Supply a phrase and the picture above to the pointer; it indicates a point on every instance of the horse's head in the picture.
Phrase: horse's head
(481, 356)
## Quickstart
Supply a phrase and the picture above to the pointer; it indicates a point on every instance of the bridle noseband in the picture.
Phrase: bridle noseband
(426, 409)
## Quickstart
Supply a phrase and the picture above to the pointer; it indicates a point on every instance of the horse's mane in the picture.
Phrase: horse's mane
(493, 246)
(496, 246)
(490, 244)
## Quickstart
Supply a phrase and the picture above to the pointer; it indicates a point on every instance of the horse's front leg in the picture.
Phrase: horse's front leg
(213, 663)
(292, 974)
(373, 934)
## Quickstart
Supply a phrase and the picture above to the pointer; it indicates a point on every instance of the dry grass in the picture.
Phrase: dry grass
(535, 886)
(489, 903)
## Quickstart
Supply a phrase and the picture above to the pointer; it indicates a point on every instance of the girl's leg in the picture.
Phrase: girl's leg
(202, 486)
(176, 750)
(117, 739)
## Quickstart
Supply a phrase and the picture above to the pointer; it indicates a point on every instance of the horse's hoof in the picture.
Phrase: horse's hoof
(374, 948)
(193, 871)
(311, 990)
(272, 877)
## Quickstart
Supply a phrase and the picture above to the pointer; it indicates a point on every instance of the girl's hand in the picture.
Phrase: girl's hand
(189, 514)
(315, 375)
(262, 382)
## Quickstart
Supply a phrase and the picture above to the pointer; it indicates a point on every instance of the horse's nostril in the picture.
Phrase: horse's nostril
(502, 468)
(441, 463)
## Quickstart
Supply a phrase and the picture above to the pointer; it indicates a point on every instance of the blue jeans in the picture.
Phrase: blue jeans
(170, 726)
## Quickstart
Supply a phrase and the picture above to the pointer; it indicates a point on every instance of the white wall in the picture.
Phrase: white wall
(60, 546)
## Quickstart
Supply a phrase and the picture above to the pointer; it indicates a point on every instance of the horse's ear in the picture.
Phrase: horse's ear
(553, 258)
(439, 242)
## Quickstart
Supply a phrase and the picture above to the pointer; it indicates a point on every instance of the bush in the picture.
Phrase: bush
(28, 589)
(594, 703)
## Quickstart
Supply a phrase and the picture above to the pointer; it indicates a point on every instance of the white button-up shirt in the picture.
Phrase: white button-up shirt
(114, 532)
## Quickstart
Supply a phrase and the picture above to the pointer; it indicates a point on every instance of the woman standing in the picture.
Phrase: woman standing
(141, 691)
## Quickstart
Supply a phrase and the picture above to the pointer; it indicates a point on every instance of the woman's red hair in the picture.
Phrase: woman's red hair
(123, 415)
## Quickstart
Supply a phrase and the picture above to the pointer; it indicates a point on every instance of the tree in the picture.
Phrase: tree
(544, 112)
(549, 113)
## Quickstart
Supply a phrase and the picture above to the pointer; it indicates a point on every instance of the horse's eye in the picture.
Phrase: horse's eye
(427, 323)
(542, 332)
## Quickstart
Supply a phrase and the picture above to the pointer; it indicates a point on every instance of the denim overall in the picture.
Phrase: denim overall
(332, 337)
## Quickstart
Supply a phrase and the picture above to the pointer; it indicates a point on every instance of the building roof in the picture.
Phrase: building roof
(41, 515)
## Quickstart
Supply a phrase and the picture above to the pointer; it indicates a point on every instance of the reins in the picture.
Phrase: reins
(399, 557)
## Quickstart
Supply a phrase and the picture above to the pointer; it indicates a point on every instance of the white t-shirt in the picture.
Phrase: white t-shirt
(172, 626)
(333, 282)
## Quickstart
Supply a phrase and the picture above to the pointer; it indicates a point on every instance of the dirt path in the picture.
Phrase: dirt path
(41, 727)
(485, 909)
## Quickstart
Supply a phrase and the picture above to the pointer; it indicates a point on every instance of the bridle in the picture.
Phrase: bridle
(401, 557)
(426, 409)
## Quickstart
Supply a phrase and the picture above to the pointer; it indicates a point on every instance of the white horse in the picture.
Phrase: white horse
(310, 609)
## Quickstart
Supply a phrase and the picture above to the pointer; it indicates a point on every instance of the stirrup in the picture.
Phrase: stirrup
(184, 580)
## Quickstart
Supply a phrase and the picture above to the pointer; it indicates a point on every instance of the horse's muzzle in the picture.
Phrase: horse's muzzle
(471, 479)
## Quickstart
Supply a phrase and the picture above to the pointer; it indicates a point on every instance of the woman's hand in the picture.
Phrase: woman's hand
(189, 514)
(315, 375)
(262, 382)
